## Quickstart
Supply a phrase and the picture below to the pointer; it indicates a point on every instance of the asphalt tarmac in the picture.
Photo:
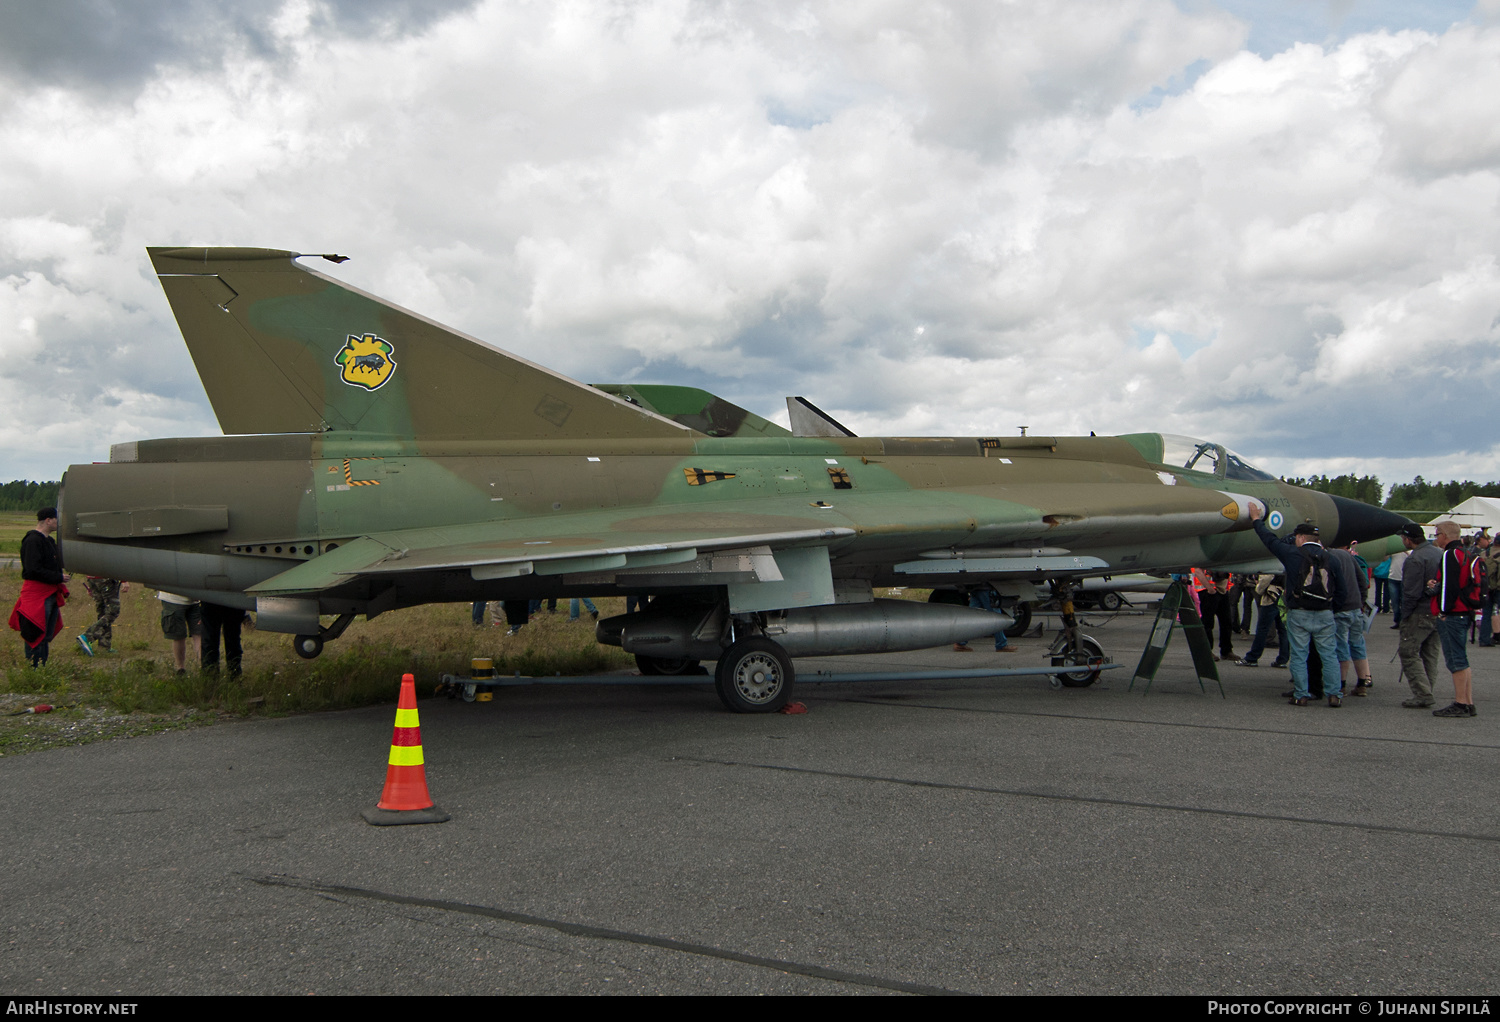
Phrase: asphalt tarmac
(916, 837)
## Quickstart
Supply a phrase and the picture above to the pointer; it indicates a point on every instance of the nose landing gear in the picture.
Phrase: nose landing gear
(1071, 646)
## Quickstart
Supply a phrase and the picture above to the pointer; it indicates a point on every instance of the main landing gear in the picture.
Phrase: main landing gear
(661, 666)
(309, 646)
(754, 676)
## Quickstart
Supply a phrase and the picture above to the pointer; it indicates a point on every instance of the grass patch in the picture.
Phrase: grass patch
(362, 668)
(14, 525)
(136, 689)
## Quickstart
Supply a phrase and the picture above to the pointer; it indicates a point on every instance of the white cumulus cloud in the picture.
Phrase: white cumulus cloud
(1109, 217)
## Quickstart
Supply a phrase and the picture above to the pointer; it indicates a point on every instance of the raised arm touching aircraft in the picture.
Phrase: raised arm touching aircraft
(375, 460)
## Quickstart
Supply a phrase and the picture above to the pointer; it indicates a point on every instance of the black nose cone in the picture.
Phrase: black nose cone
(1363, 522)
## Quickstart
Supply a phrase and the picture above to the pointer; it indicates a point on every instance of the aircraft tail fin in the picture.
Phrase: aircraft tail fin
(281, 348)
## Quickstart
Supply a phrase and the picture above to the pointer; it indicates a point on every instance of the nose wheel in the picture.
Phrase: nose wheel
(1088, 654)
(1071, 646)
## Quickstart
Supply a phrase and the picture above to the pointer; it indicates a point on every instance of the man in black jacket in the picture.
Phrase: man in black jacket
(1309, 617)
(37, 613)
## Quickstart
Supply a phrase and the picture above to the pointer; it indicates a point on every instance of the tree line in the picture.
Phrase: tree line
(24, 495)
(1417, 495)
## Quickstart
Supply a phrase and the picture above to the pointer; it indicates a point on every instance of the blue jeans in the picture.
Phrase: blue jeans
(1305, 628)
(1266, 619)
(1395, 598)
(984, 599)
(477, 613)
(573, 607)
(1453, 633)
(1349, 631)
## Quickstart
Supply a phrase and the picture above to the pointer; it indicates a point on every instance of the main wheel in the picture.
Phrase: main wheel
(662, 666)
(1086, 650)
(1110, 602)
(1022, 613)
(754, 676)
(308, 646)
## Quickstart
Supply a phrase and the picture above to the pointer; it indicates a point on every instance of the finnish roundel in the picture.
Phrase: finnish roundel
(1274, 520)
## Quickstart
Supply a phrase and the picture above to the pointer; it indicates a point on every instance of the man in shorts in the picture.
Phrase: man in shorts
(181, 617)
(1349, 617)
(1454, 610)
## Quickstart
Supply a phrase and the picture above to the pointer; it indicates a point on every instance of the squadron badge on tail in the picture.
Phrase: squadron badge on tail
(366, 361)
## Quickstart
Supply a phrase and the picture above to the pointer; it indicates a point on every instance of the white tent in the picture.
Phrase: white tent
(1474, 513)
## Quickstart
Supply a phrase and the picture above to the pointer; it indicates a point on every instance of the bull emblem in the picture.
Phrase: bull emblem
(366, 361)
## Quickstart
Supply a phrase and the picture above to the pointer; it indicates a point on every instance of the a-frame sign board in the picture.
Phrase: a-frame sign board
(1176, 609)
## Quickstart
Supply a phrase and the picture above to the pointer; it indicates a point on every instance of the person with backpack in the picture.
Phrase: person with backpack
(1454, 600)
(1313, 590)
(1419, 638)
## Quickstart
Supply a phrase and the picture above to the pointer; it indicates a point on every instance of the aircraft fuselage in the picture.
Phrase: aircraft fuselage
(213, 517)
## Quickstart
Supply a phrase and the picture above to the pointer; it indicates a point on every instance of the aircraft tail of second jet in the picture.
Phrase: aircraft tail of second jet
(281, 348)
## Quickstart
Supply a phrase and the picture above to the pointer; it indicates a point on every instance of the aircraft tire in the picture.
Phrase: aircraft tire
(662, 666)
(950, 597)
(307, 646)
(1022, 614)
(1110, 602)
(754, 676)
(1083, 678)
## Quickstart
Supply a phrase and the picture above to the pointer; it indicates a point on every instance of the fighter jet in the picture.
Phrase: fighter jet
(374, 459)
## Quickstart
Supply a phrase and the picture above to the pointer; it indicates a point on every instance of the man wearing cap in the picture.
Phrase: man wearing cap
(1309, 616)
(1419, 636)
(37, 613)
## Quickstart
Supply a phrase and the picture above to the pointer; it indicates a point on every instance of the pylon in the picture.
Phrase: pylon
(405, 798)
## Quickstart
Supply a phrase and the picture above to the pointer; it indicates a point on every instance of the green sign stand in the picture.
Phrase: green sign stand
(1177, 609)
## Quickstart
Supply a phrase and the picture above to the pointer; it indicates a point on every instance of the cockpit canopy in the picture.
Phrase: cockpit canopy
(1185, 452)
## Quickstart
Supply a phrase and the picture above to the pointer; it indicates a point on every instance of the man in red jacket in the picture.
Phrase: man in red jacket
(1454, 604)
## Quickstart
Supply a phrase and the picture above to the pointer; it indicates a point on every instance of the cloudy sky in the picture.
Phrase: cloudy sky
(1274, 223)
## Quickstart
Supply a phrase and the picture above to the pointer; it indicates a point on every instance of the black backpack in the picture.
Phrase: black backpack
(1312, 589)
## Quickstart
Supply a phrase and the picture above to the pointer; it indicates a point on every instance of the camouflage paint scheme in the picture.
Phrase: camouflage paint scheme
(440, 468)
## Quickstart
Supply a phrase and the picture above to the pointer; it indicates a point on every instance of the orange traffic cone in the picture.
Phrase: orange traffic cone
(405, 798)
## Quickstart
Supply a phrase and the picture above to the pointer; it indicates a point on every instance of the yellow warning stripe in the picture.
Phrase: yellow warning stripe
(349, 475)
(700, 476)
(407, 718)
(406, 755)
